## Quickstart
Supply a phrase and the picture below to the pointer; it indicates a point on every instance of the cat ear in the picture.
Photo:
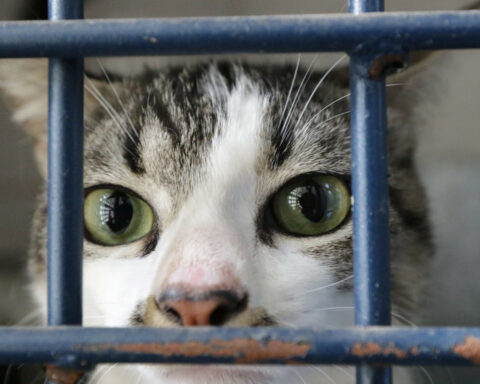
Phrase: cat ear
(24, 87)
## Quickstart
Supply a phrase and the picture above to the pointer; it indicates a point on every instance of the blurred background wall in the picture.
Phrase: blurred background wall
(448, 157)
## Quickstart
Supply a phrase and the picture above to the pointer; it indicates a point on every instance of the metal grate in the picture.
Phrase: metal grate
(372, 40)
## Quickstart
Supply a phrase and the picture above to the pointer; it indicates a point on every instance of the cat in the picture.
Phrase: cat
(218, 194)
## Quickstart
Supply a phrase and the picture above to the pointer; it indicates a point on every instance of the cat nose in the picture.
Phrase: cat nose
(201, 309)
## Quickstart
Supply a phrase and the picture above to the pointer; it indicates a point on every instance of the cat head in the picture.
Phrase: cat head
(219, 194)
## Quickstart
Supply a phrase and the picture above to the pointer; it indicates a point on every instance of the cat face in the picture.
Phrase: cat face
(218, 194)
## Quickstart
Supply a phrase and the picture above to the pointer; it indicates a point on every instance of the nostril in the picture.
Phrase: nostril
(171, 314)
(226, 311)
(220, 315)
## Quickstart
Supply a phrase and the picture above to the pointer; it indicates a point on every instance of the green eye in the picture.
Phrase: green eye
(311, 205)
(114, 217)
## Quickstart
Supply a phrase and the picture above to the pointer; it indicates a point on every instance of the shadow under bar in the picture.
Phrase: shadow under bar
(269, 34)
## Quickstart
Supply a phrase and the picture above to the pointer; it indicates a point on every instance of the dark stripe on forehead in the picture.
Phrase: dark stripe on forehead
(132, 151)
(283, 113)
(228, 73)
(164, 116)
(282, 141)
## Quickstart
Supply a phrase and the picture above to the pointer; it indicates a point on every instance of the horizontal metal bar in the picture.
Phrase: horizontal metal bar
(75, 346)
(270, 34)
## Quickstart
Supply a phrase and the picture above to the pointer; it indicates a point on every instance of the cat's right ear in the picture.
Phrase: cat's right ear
(24, 87)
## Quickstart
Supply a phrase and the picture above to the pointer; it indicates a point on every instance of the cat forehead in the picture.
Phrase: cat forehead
(172, 126)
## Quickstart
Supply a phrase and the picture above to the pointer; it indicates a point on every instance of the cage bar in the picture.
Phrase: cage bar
(267, 34)
(80, 347)
(371, 263)
(65, 180)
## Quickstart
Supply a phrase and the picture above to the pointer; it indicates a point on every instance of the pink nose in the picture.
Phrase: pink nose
(209, 308)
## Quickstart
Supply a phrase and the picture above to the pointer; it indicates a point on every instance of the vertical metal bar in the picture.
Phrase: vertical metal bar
(370, 218)
(360, 6)
(65, 179)
(370, 194)
(65, 188)
(370, 191)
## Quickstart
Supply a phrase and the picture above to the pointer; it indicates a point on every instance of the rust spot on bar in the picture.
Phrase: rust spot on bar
(62, 375)
(375, 349)
(385, 64)
(242, 350)
(469, 349)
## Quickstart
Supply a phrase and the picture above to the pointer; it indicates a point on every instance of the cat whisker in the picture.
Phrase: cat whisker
(396, 84)
(114, 91)
(427, 375)
(346, 308)
(105, 104)
(95, 93)
(450, 376)
(320, 82)
(31, 318)
(8, 373)
(323, 123)
(343, 370)
(93, 90)
(139, 379)
(324, 374)
(102, 373)
(290, 90)
(338, 282)
(325, 108)
(344, 7)
(299, 375)
(351, 308)
(330, 119)
(346, 96)
(285, 135)
(404, 319)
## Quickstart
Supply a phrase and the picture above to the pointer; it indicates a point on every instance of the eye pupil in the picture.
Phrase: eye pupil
(117, 212)
(312, 202)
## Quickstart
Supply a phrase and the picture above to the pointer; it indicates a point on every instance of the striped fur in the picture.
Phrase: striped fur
(207, 146)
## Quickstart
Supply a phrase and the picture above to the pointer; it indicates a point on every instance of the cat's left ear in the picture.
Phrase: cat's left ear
(24, 87)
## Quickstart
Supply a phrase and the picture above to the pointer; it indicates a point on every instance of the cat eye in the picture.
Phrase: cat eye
(311, 205)
(114, 217)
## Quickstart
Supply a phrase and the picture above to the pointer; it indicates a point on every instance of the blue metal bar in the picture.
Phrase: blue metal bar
(65, 181)
(421, 30)
(78, 347)
(370, 196)
(360, 6)
(65, 9)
